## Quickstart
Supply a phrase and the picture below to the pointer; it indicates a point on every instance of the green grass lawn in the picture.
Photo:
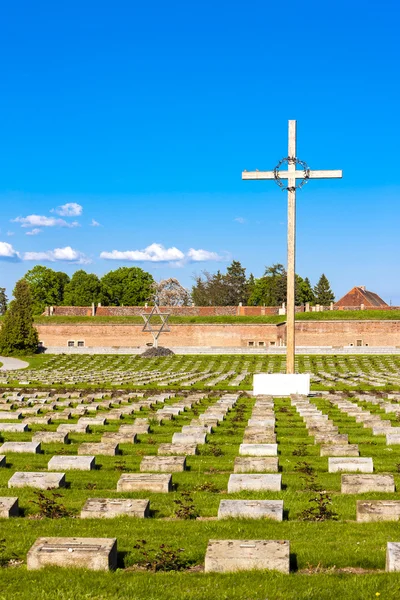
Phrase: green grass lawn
(328, 315)
(330, 372)
(341, 558)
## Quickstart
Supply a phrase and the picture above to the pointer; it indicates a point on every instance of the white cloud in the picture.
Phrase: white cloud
(33, 231)
(10, 233)
(157, 253)
(7, 252)
(71, 209)
(66, 254)
(43, 221)
(240, 220)
(203, 255)
(95, 223)
(153, 253)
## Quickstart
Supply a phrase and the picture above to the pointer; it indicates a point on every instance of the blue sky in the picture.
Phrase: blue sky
(125, 126)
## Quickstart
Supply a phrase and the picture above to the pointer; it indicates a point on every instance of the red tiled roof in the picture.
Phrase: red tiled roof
(359, 295)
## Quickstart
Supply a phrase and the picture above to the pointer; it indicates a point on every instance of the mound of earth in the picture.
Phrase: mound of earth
(156, 352)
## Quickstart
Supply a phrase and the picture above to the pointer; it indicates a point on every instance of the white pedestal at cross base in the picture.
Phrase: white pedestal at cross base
(296, 178)
(278, 384)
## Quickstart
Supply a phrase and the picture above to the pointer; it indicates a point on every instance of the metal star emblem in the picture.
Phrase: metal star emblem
(151, 328)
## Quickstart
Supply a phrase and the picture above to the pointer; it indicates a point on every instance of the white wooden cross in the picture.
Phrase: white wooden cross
(292, 174)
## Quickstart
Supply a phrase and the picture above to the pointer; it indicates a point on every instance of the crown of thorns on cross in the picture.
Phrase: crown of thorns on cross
(292, 160)
(151, 328)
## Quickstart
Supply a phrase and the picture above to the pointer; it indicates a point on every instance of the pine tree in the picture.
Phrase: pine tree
(18, 335)
(323, 293)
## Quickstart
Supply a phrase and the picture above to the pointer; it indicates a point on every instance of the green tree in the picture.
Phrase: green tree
(128, 286)
(236, 282)
(211, 290)
(304, 291)
(270, 290)
(47, 287)
(3, 301)
(323, 293)
(18, 335)
(83, 289)
(251, 282)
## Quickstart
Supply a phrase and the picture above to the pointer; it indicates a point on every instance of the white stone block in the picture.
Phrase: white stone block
(278, 384)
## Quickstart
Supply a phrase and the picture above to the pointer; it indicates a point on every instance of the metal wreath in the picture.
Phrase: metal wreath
(290, 160)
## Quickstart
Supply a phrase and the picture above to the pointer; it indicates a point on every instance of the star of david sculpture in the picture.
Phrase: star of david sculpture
(152, 328)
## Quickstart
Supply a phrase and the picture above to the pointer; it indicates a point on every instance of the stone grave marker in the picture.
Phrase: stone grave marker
(340, 450)
(96, 554)
(256, 464)
(243, 555)
(163, 464)
(50, 437)
(254, 482)
(378, 510)
(8, 507)
(98, 448)
(189, 438)
(108, 508)
(10, 416)
(13, 427)
(251, 509)
(360, 484)
(150, 482)
(69, 463)
(73, 428)
(393, 557)
(197, 429)
(258, 449)
(132, 429)
(2, 460)
(118, 437)
(21, 447)
(40, 480)
(179, 449)
(392, 437)
(360, 464)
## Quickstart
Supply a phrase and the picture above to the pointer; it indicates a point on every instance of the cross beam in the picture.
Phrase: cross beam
(292, 174)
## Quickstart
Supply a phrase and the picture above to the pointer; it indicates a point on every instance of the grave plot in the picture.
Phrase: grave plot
(329, 521)
(207, 372)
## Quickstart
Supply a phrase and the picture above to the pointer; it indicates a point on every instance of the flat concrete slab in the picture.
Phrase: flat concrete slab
(378, 510)
(13, 427)
(50, 437)
(96, 554)
(278, 384)
(393, 557)
(339, 450)
(40, 480)
(256, 464)
(258, 449)
(150, 482)
(360, 484)
(98, 448)
(179, 449)
(251, 509)
(163, 464)
(72, 463)
(255, 482)
(21, 447)
(360, 464)
(8, 507)
(224, 556)
(108, 508)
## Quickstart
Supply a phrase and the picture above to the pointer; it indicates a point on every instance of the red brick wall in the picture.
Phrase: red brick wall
(308, 333)
(180, 335)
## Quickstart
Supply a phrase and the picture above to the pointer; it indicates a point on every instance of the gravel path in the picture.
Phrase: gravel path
(11, 364)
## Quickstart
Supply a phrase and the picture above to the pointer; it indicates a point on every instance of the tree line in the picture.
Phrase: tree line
(233, 287)
(132, 286)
